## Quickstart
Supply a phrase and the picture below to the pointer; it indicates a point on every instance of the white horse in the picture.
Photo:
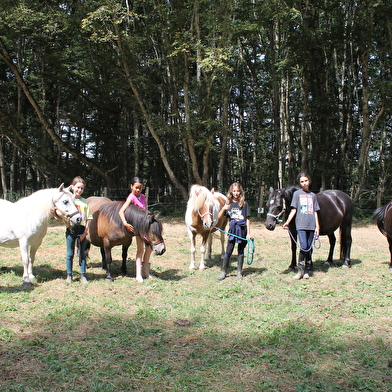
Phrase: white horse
(25, 222)
(201, 217)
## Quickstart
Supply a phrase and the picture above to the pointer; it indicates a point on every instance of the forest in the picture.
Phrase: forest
(196, 91)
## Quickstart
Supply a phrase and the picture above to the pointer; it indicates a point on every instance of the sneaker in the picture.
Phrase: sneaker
(83, 279)
(69, 278)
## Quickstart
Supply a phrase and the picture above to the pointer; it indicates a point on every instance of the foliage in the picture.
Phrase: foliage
(196, 91)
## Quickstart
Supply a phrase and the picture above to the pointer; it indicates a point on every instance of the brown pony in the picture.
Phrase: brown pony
(107, 230)
(201, 217)
(383, 216)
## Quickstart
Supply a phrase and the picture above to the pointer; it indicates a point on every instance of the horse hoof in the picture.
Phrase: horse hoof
(344, 266)
(109, 279)
(327, 264)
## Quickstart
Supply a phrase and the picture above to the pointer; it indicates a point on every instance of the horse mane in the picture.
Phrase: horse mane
(38, 204)
(198, 196)
(288, 192)
(142, 220)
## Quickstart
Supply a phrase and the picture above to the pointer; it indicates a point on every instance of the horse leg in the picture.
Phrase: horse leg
(28, 276)
(293, 253)
(192, 237)
(209, 248)
(108, 261)
(146, 264)
(390, 251)
(139, 256)
(345, 245)
(222, 241)
(332, 242)
(124, 255)
(104, 264)
(203, 248)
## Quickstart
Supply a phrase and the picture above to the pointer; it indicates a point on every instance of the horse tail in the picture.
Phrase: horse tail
(345, 227)
(378, 215)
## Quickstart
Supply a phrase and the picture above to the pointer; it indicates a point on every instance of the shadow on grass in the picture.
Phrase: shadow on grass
(147, 353)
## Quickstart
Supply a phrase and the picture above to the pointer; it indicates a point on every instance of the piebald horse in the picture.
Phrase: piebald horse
(201, 218)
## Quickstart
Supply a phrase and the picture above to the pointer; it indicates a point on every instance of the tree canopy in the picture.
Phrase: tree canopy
(196, 91)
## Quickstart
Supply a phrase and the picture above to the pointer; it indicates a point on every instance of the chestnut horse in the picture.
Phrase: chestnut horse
(106, 230)
(336, 211)
(383, 216)
(201, 217)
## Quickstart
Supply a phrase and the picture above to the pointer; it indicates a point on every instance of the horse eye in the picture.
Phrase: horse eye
(65, 202)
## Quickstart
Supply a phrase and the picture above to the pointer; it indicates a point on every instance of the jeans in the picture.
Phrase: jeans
(305, 238)
(70, 239)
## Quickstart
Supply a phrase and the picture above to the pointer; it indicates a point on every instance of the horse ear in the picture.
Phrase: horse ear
(212, 190)
(271, 190)
(61, 187)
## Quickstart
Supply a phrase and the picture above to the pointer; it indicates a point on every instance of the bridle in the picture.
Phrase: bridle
(208, 213)
(67, 217)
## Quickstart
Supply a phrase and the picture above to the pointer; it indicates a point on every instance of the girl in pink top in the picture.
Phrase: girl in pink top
(137, 198)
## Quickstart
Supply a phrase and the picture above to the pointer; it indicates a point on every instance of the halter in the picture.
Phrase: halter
(203, 215)
(277, 217)
(68, 217)
(149, 243)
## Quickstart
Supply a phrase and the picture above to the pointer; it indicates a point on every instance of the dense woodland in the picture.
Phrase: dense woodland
(198, 91)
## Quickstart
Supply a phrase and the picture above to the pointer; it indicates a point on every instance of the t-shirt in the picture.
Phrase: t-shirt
(238, 213)
(305, 202)
(84, 210)
(237, 216)
(138, 201)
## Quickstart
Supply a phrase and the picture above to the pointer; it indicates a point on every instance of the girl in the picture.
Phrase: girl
(78, 232)
(238, 212)
(137, 198)
(304, 207)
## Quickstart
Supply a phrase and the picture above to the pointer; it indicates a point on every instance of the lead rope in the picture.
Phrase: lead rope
(251, 246)
(318, 246)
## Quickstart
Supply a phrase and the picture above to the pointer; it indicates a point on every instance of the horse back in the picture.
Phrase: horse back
(336, 210)
(96, 201)
(106, 227)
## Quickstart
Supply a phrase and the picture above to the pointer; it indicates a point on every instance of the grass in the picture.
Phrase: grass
(264, 333)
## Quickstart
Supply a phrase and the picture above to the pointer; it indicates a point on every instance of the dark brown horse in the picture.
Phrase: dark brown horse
(107, 230)
(336, 211)
(383, 216)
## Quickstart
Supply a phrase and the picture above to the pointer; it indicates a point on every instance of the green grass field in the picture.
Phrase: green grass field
(264, 333)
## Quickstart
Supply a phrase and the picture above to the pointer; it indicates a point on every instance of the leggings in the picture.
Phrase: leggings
(230, 248)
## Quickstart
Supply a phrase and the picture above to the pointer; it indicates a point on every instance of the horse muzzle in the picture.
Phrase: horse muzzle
(159, 248)
(270, 224)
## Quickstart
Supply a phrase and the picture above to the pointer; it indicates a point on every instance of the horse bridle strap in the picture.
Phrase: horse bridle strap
(277, 217)
(206, 213)
(148, 242)
(55, 209)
